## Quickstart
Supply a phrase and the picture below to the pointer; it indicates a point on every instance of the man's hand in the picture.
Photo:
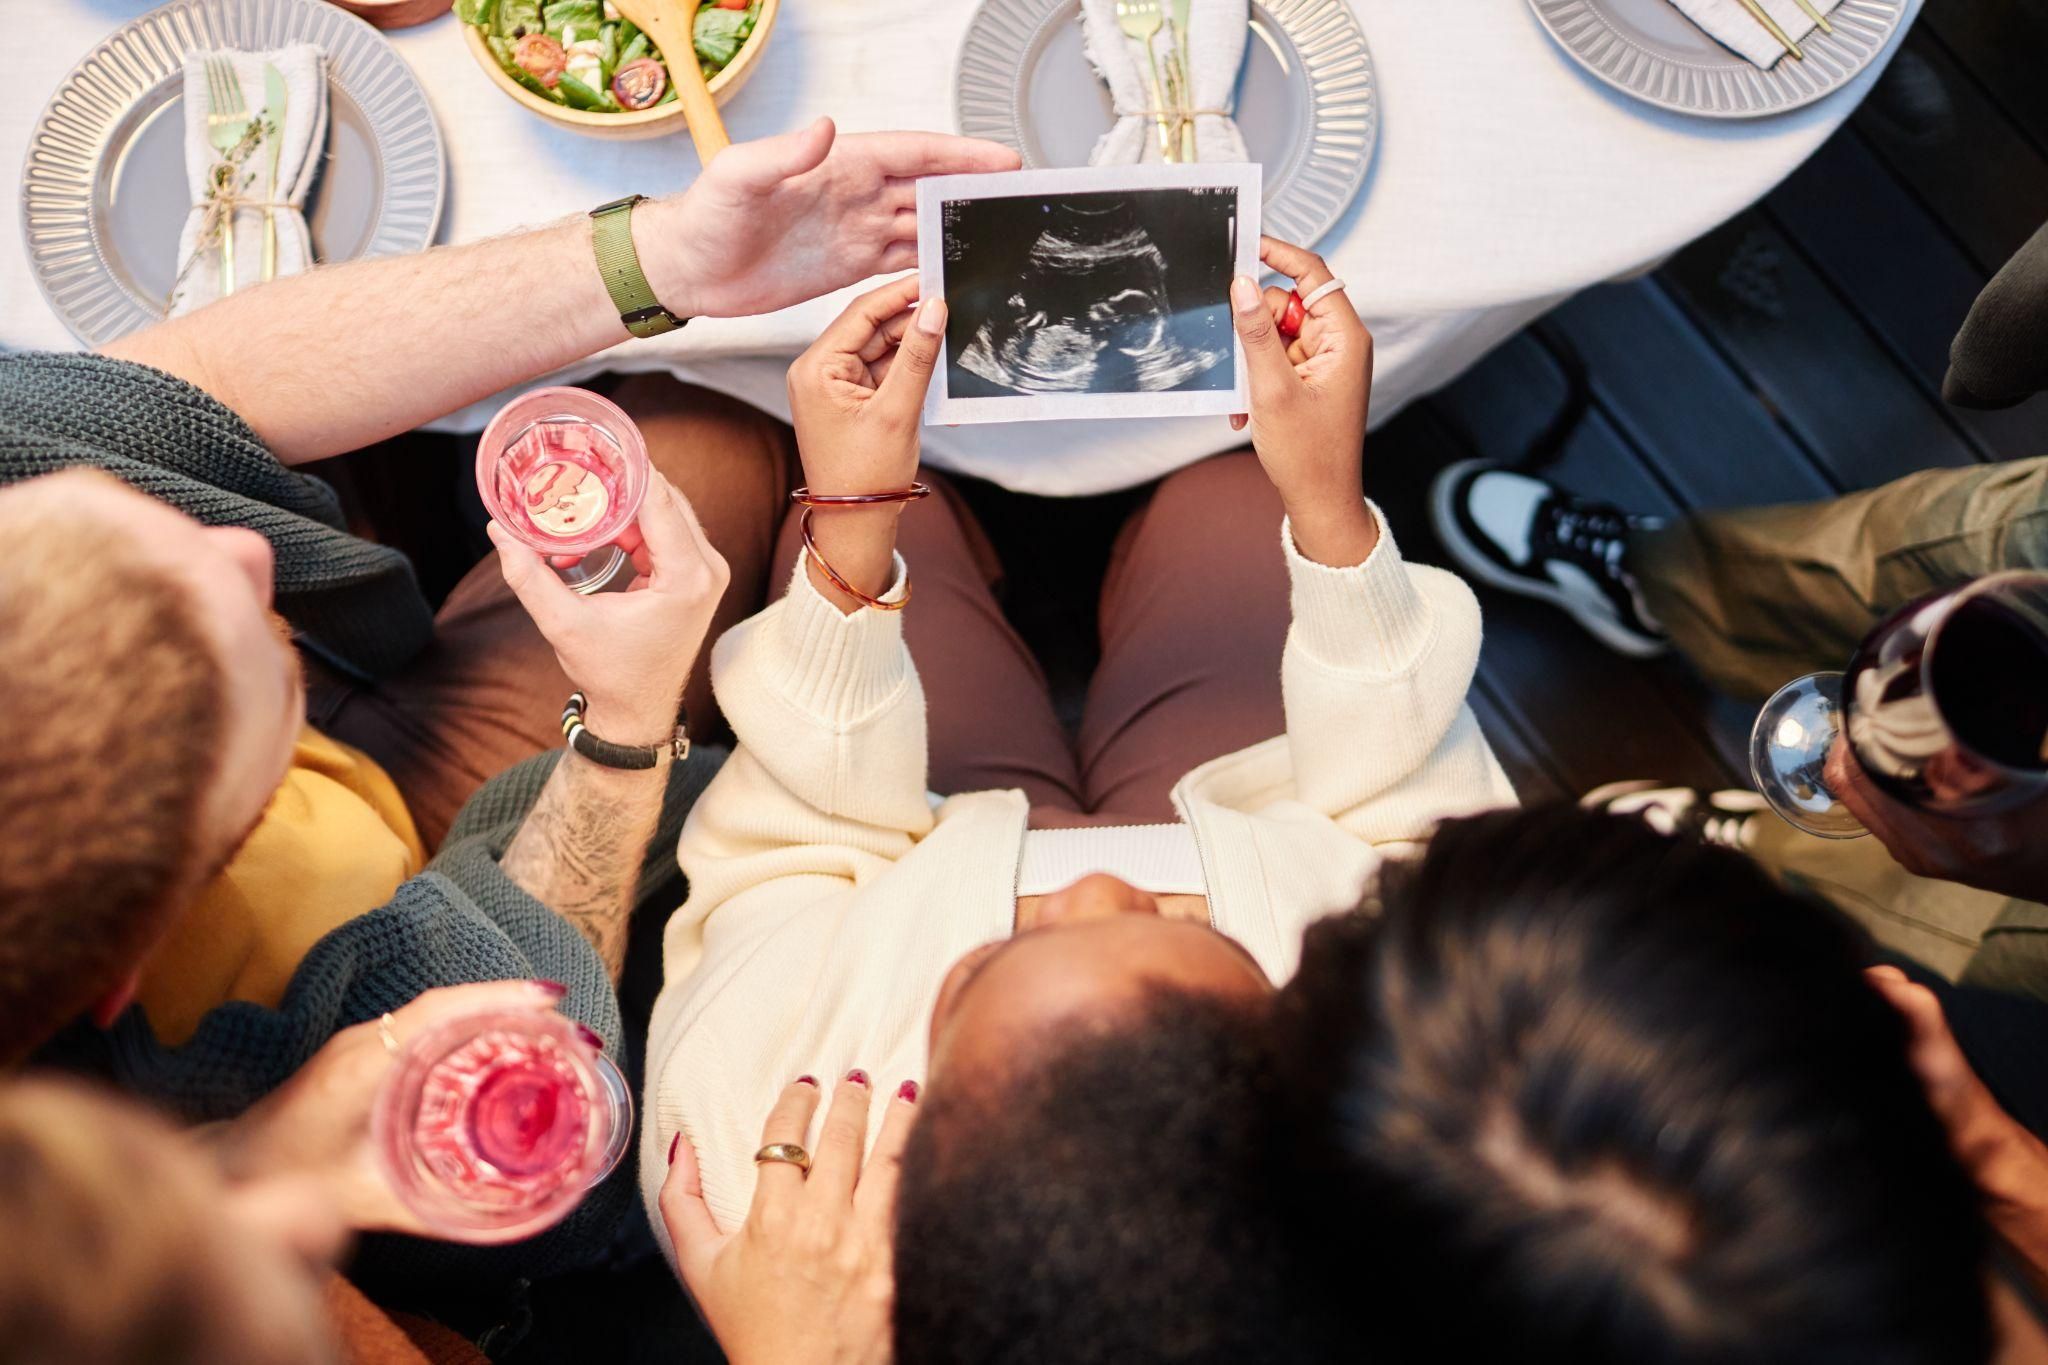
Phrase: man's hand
(1308, 405)
(631, 653)
(784, 219)
(317, 1124)
(809, 1278)
(2005, 852)
(855, 397)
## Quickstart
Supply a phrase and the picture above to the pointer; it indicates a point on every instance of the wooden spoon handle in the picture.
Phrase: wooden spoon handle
(673, 33)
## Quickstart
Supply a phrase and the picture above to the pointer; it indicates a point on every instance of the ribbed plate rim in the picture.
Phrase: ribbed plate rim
(71, 136)
(1322, 178)
(1586, 29)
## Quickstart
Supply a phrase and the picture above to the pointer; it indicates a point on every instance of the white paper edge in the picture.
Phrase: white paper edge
(941, 409)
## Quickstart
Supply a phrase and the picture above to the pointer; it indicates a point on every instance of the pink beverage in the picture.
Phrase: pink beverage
(493, 1126)
(565, 471)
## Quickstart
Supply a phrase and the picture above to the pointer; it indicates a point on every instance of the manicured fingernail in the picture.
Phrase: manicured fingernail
(590, 1037)
(554, 988)
(811, 1081)
(907, 1092)
(1244, 295)
(931, 317)
(674, 1143)
(857, 1076)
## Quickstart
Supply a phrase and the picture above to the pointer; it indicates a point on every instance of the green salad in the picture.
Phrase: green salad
(582, 54)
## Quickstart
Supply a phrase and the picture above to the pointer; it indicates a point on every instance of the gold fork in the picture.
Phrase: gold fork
(1141, 19)
(227, 120)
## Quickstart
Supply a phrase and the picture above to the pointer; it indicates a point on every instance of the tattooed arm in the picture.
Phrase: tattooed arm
(580, 850)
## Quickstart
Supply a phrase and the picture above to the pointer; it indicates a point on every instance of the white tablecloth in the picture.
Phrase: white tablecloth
(1505, 181)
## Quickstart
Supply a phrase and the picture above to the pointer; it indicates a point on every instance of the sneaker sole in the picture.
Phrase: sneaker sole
(1603, 628)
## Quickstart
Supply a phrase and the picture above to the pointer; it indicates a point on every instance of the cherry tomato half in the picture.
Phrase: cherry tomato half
(639, 83)
(734, 4)
(541, 57)
(1291, 319)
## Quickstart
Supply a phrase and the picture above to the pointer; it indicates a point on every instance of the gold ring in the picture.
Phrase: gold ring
(786, 1152)
(388, 1035)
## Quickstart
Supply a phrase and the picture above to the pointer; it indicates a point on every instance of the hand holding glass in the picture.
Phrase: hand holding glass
(565, 471)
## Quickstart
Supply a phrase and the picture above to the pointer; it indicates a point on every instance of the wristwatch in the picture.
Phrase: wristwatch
(611, 235)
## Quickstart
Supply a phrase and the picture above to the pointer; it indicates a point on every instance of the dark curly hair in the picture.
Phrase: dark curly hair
(1583, 1093)
(1112, 1202)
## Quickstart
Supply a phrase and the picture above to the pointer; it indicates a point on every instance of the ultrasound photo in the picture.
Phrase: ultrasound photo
(1116, 297)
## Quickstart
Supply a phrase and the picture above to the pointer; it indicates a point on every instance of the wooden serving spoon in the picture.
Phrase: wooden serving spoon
(671, 23)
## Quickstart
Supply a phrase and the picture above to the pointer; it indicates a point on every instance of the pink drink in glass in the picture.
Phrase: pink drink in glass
(494, 1126)
(565, 471)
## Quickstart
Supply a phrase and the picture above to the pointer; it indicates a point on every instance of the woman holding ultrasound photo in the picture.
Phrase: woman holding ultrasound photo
(1056, 963)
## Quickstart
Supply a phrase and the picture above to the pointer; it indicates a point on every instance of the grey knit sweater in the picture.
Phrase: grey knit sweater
(460, 920)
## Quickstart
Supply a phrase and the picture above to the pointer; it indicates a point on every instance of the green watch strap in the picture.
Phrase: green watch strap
(611, 236)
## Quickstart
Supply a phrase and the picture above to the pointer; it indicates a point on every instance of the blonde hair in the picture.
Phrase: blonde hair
(117, 1251)
(108, 743)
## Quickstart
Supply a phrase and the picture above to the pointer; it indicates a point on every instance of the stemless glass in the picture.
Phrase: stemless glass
(564, 471)
(494, 1126)
(1945, 706)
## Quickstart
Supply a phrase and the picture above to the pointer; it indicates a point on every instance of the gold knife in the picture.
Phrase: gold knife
(1758, 13)
(275, 103)
(1815, 15)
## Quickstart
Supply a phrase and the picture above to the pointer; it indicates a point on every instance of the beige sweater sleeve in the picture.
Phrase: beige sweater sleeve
(1377, 665)
(828, 778)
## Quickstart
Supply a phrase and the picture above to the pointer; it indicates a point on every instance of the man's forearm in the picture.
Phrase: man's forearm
(347, 355)
(580, 851)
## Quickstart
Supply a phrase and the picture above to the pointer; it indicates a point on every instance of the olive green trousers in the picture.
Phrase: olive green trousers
(1757, 596)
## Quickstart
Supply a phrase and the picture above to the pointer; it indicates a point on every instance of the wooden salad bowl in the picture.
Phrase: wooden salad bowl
(659, 121)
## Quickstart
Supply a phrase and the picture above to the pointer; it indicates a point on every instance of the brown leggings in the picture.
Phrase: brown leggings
(1194, 613)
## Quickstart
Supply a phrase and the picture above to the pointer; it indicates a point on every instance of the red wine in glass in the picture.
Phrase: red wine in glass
(493, 1126)
(565, 470)
(1945, 706)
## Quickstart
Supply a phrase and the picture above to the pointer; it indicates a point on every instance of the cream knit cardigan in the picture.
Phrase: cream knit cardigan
(830, 893)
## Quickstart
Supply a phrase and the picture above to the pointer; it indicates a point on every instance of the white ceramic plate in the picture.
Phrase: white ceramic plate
(103, 187)
(1307, 103)
(1648, 49)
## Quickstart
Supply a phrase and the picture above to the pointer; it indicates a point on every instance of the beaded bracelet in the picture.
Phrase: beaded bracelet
(811, 502)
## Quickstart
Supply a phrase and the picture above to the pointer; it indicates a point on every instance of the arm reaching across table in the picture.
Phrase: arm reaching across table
(327, 362)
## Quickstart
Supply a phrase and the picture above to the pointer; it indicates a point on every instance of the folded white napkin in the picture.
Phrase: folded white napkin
(1216, 37)
(303, 140)
(1729, 23)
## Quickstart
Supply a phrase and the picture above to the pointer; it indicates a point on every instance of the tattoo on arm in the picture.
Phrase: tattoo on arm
(580, 850)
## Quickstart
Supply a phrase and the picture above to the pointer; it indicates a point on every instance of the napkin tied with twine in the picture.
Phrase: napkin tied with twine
(1217, 30)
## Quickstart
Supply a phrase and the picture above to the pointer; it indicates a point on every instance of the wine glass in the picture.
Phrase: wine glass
(1944, 706)
(564, 471)
(493, 1126)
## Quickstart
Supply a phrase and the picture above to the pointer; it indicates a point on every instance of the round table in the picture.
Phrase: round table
(1506, 180)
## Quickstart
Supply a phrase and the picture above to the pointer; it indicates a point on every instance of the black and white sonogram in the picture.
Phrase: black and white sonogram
(1092, 294)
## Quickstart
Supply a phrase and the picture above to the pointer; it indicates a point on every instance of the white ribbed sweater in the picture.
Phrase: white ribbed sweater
(829, 892)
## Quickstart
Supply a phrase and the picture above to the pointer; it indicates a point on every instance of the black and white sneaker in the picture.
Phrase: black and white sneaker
(1523, 535)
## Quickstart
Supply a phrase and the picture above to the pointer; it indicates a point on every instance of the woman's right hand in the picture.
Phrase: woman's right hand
(1308, 405)
(856, 398)
(809, 1278)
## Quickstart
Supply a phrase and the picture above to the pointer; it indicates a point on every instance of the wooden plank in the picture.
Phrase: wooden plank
(1669, 393)
(1940, 133)
(1801, 347)
(2002, 43)
(1860, 229)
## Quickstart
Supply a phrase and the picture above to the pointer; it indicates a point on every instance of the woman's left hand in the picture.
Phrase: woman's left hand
(317, 1124)
(809, 1278)
(1308, 405)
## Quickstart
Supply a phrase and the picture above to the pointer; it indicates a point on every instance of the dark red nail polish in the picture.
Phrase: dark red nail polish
(857, 1076)
(554, 988)
(673, 1143)
(907, 1092)
(590, 1037)
(811, 1081)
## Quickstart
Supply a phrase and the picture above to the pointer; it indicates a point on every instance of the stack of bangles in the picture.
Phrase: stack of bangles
(811, 502)
(1297, 306)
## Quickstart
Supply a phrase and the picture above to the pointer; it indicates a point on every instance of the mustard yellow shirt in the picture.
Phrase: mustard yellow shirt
(334, 843)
